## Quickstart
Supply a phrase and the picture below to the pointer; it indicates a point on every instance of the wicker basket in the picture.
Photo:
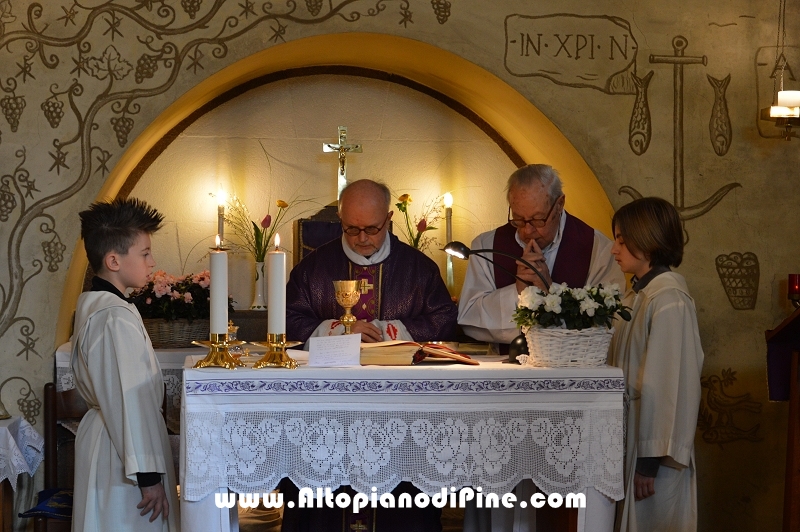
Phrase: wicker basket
(558, 348)
(176, 333)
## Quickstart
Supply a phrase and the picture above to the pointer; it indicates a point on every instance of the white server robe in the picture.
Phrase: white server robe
(660, 353)
(123, 433)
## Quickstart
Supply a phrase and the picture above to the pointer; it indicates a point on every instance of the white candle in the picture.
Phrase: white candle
(276, 289)
(219, 290)
(221, 215)
(448, 219)
(789, 98)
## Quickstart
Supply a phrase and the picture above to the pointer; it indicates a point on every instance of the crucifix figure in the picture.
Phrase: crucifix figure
(342, 148)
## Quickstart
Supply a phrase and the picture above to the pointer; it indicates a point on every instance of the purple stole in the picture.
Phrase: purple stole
(369, 306)
(572, 263)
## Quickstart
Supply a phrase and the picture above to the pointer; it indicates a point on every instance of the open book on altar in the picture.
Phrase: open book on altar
(404, 353)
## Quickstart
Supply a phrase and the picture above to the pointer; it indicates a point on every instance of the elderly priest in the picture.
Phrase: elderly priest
(561, 247)
(405, 297)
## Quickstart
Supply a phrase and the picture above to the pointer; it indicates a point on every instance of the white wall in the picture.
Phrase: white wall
(411, 141)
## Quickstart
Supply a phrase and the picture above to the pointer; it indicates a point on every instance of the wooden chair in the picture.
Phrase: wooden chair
(60, 407)
(320, 228)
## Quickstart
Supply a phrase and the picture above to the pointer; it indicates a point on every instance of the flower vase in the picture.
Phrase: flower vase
(259, 299)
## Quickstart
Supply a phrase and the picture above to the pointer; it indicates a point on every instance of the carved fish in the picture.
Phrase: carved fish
(640, 129)
(719, 127)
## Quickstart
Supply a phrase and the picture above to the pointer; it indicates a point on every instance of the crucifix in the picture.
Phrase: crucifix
(343, 148)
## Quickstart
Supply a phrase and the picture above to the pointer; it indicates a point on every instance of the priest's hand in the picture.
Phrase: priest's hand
(533, 254)
(643, 486)
(154, 499)
(369, 332)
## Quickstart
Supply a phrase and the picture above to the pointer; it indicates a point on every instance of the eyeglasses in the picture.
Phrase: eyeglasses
(538, 223)
(371, 230)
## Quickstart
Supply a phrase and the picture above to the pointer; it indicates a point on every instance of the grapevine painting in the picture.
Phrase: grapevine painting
(87, 80)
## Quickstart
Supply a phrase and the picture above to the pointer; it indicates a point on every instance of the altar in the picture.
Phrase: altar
(435, 425)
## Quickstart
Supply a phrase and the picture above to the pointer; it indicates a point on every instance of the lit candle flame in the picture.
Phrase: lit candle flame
(448, 200)
(217, 240)
(221, 197)
(277, 240)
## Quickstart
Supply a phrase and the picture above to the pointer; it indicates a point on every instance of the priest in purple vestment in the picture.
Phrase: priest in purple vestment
(405, 299)
(405, 296)
(563, 248)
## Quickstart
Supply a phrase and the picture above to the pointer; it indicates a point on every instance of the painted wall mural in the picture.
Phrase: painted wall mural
(719, 128)
(80, 80)
(599, 52)
(717, 409)
(739, 273)
(74, 73)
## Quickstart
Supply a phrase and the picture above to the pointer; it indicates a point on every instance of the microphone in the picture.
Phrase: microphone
(519, 345)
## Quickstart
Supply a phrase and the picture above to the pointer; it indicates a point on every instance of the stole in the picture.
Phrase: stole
(369, 305)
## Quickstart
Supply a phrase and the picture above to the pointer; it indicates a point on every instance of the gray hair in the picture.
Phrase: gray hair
(376, 186)
(533, 174)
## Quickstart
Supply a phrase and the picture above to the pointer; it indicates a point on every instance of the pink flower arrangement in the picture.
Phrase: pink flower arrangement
(171, 297)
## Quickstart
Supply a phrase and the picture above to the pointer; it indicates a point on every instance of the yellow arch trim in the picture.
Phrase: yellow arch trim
(526, 129)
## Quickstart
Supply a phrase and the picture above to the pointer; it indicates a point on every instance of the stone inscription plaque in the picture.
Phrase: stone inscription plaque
(596, 52)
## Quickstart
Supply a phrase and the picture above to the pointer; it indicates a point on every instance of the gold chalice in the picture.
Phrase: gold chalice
(347, 295)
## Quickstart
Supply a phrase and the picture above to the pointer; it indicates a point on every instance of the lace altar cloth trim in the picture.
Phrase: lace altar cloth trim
(561, 451)
(21, 449)
(402, 386)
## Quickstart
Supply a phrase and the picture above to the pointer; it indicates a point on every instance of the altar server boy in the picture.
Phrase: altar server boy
(660, 353)
(124, 478)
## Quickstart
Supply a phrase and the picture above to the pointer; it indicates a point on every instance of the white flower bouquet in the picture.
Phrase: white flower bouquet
(570, 308)
(568, 326)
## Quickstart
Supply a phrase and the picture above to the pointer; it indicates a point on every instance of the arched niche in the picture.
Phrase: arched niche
(518, 127)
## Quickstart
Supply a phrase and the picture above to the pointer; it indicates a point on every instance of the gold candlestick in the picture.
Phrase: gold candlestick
(347, 295)
(276, 356)
(218, 355)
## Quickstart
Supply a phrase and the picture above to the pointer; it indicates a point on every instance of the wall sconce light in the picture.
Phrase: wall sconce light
(786, 111)
(794, 289)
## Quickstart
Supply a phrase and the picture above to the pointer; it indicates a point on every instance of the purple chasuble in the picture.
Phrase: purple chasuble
(407, 286)
(369, 306)
(573, 259)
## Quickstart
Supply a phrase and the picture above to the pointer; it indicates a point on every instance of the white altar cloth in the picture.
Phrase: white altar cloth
(21, 449)
(433, 425)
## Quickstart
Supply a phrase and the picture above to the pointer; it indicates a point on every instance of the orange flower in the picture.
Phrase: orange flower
(282, 204)
(405, 198)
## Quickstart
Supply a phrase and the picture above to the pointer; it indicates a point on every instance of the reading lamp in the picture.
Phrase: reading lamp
(518, 346)
(461, 251)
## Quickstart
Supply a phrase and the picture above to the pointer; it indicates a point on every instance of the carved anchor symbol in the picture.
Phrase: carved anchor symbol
(678, 60)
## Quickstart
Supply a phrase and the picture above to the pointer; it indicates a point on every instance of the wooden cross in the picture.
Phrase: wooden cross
(343, 148)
